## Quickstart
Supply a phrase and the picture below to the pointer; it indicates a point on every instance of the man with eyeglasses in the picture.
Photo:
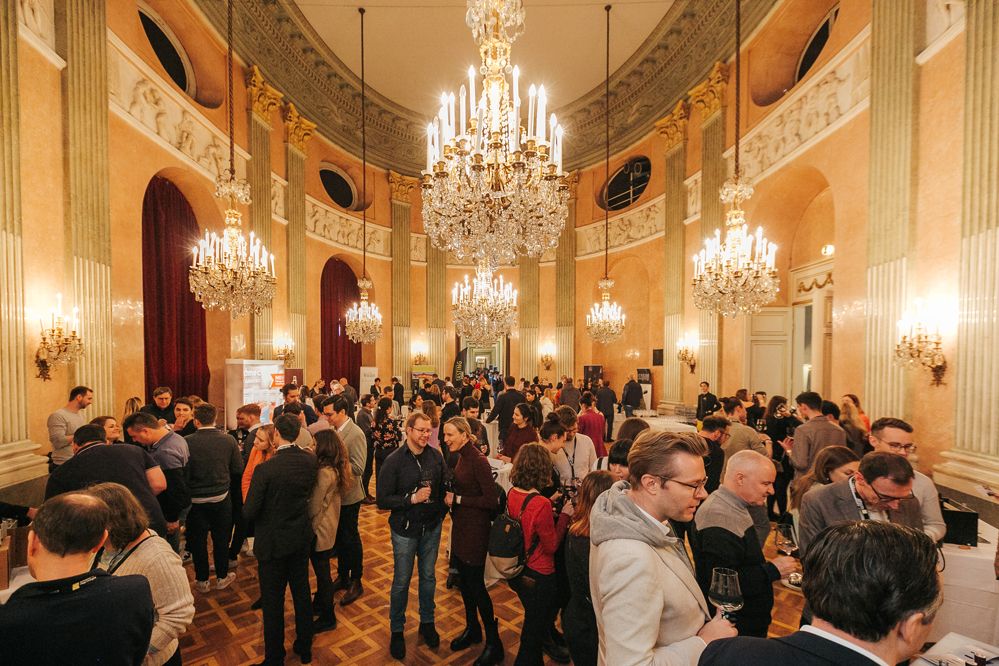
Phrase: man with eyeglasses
(891, 435)
(880, 490)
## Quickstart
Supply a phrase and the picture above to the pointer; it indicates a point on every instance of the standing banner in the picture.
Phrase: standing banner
(368, 374)
(248, 381)
(644, 377)
(459, 367)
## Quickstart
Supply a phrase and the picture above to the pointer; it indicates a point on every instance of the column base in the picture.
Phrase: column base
(19, 463)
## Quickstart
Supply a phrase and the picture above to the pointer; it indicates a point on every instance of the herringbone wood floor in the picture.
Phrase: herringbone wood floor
(226, 632)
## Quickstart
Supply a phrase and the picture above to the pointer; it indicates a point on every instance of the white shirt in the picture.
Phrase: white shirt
(810, 628)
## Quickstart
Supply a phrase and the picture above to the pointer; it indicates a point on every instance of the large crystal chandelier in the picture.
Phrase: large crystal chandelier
(737, 276)
(485, 309)
(364, 321)
(229, 272)
(493, 187)
(605, 323)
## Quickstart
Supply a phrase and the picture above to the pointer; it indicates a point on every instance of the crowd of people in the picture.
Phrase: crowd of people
(624, 529)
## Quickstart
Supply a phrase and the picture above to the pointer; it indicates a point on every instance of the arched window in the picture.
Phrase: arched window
(338, 291)
(815, 44)
(338, 186)
(168, 50)
(626, 184)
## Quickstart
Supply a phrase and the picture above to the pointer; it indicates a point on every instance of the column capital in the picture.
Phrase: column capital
(400, 187)
(572, 180)
(299, 130)
(264, 97)
(673, 127)
(707, 96)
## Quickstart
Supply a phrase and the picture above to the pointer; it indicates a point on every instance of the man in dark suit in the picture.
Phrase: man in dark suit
(881, 490)
(606, 399)
(847, 574)
(505, 402)
(398, 391)
(293, 393)
(278, 505)
(707, 402)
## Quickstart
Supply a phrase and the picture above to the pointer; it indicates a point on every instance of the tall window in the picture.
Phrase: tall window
(338, 291)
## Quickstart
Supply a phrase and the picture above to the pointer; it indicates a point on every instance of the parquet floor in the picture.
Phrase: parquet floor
(226, 632)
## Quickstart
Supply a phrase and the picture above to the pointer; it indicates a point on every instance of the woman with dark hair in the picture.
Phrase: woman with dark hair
(531, 396)
(578, 620)
(536, 587)
(631, 427)
(832, 464)
(521, 432)
(333, 480)
(385, 435)
(472, 506)
(592, 423)
(112, 429)
(779, 424)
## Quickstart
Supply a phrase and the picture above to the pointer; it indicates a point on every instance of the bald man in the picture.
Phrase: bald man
(725, 535)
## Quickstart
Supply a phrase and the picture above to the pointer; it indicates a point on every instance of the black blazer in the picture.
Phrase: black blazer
(278, 504)
(799, 649)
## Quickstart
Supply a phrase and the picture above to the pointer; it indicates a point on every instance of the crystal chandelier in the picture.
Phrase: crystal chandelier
(229, 272)
(493, 187)
(736, 276)
(364, 321)
(605, 323)
(485, 309)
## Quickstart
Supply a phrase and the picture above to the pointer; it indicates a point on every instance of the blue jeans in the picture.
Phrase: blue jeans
(629, 411)
(405, 550)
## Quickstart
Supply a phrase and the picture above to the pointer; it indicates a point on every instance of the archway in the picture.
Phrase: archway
(338, 292)
(176, 348)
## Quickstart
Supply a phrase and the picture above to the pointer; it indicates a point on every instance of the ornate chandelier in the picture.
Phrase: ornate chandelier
(229, 272)
(493, 188)
(485, 309)
(364, 321)
(736, 276)
(605, 323)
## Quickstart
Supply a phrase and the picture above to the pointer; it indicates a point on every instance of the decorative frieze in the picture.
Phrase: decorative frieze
(708, 96)
(344, 230)
(298, 130)
(418, 248)
(279, 189)
(640, 224)
(264, 97)
(673, 128)
(38, 16)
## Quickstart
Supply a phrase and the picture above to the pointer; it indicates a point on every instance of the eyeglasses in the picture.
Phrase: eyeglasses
(422, 431)
(693, 486)
(891, 498)
(898, 446)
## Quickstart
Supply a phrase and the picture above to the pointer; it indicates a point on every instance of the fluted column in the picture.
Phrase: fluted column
(81, 40)
(975, 456)
(708, 98)
(400, 188)
(17, 462)
(298, 130)
(893, 104)
(437, 309)
(565, 289)
(673, 129)
(529, 295)
(263, 100)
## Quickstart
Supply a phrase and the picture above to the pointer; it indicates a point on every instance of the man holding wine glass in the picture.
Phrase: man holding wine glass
(726, 538)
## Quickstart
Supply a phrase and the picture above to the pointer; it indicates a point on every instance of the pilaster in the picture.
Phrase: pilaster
(529, 295)
(400, 190)
(565, 289)
(437, 309)
(298, 130)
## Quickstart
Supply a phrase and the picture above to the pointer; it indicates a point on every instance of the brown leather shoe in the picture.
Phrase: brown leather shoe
(353, 593)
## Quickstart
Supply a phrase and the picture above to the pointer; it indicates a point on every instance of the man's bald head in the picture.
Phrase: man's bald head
(750, 475)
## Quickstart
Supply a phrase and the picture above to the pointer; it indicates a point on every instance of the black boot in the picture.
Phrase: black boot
(469, 637)
(493, 654)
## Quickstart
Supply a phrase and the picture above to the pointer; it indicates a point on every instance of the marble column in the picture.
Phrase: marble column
(893, 117)
(565, 290)
(18, 462)
(298, 130)
(529, 295)
(673, 130)
(975, 456)
(708, 98)
(81, 40)
(263, 100)
(400, 189)
(437, 311)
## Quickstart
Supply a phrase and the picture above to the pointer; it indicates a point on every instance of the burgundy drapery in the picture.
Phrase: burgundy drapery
(176, 352)
(338, 292)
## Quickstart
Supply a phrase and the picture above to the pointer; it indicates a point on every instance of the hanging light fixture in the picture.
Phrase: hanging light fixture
(605, 323)
(494, 189)
(737, 276)
(229, 272)
(485, 309)
(364, 321)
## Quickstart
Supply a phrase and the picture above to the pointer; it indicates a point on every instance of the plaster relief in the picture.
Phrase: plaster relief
(278, 188)
(633, 226)
(343, 230)
(417, 248)
(38, 16)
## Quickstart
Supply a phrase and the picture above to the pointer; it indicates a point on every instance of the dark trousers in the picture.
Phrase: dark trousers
(580, 626)
(781, 485)
(238, 524)
(369, 465)
(350, 553)
(537, 594)
(380, 456)
(215, 517)
(472, 585)
(275, 575)
(609, 418)
(324, 584)
(175, 660)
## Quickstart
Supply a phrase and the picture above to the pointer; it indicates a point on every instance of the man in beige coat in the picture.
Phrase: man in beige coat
(648, 605)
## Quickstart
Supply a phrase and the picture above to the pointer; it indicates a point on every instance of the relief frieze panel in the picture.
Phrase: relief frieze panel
(634, 226)
(344, 230)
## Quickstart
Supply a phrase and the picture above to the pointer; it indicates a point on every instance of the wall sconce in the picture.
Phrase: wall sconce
(685, 352)
(284, 349)
(60, 344)
(548, 355)
(920, 345)
(828, 250)
(419, 353)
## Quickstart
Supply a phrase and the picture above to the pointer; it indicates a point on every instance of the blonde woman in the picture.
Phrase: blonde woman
(547, 403)
(264, 446)
(856, 431)
(333, 480)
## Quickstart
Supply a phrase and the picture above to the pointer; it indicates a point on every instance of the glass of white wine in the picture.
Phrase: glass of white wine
(785, 540)
(725, 593)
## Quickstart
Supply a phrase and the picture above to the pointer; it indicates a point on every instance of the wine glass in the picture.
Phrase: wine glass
(785, 540)
(725, 593)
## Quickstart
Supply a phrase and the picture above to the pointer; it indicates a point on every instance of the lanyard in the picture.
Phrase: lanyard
(864, 513)
(120, 558)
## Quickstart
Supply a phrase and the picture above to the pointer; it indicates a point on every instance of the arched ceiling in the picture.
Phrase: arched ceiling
(660, 51)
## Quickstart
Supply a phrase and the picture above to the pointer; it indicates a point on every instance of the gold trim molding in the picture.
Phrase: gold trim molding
(815, 284)
(708, 96)
(400, 187)
(673, 128)
(299, 130)
(264, 97)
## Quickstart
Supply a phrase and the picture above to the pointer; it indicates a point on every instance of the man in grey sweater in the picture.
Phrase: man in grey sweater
(63, 422)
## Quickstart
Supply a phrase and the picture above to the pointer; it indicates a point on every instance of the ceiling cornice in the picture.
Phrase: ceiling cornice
(275, 36)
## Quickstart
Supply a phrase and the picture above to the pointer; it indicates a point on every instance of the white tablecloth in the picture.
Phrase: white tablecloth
(18, 577)
(660, 423)
(501, 473)
(492, 432)
(971, 591)
(958, 645)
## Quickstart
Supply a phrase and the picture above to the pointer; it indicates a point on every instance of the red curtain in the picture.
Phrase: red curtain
(174, 323)
(338, 292)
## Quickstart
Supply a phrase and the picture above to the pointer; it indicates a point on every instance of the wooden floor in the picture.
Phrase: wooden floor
(226, 632)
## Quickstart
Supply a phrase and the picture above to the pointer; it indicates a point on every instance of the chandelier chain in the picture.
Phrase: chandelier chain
(738, 84)
(364, 160)
(229, 95)
(607, 8)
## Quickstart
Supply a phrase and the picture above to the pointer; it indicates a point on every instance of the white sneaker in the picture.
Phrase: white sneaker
(222, 583)
(203, 586)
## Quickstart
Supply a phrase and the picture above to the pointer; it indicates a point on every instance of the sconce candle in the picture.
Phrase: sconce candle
(60, 344)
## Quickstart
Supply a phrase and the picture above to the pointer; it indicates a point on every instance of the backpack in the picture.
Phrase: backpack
(505, 556)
